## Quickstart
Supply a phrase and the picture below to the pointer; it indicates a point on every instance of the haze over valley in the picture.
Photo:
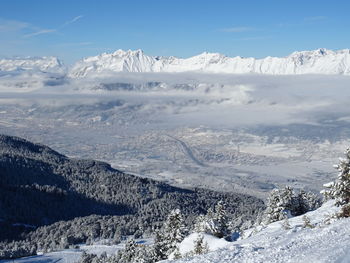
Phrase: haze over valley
(185, 128)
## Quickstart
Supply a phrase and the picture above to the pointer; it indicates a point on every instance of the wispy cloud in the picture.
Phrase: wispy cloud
(237, 29)
(74, 44)
(40, 32)
(27, 30)
(253, 38)
(12, 25)
(306, 21)
(53, 30)
(315, 18)
(75, 19)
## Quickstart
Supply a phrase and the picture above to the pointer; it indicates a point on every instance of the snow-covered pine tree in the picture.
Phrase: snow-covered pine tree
(279, 204)
(200, 247)
(210, 225)
(174, 230)
(307, 222)
(308, 201)
(87, 258)
(129, 251)
(177, 254)
(340, 188)
(200, 224)
(143, 255)
(159, 248)
(286, 203)
(286, 224)
(221, 219)
(215, 222)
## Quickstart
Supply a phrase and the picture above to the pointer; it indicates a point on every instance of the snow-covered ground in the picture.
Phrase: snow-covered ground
(327, 241)
(323, 243)
(73, 255)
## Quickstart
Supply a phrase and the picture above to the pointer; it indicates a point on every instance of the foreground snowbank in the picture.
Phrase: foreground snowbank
(322, 243)
(214, 243)
(327, 241)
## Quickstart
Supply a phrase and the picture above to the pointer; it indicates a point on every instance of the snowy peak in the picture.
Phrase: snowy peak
(118, 61)
(44, 64)
(320, 61)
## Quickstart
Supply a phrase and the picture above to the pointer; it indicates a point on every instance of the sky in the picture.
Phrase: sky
(75, 29)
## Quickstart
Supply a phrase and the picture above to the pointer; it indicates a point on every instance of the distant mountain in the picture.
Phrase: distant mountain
(321, 61)
(43, 64)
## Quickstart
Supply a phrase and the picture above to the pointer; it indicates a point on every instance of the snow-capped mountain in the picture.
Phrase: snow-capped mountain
(43, 64)
(321, 61)
(30, 73)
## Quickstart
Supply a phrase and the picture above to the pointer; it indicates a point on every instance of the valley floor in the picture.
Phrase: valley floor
(237, 133)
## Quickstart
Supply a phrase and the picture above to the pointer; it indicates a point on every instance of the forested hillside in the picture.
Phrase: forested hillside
(40, 187)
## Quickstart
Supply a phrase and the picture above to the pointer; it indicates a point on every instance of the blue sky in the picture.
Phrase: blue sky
(75, 29)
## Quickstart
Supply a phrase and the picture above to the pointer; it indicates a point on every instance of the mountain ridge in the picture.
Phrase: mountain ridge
(319, 61)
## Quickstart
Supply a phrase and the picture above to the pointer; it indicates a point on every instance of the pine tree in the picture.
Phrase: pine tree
(159, 250)
(173, 231)
(278, 205)
(129, 251)
(286, 203)
(177, 254)
(210, 224)
(200, 224)
(167, 239)
(143, 255)
(87, 258)
(215, 222)
(340, 188)
(103, 258)
(307, 202)
(200, 247)
(221, 219)
(307, 222)
(286, 224)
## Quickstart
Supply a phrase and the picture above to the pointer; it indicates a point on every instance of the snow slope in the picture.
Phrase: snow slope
(323, 243)
(74, 255)
(321, 61)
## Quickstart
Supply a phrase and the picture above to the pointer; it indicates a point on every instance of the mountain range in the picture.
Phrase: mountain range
(320, 61)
